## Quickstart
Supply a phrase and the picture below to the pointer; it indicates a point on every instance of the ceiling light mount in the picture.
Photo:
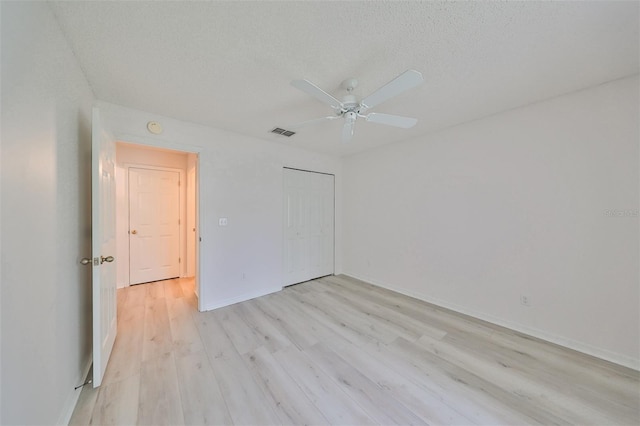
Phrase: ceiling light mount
(154, 127)
(349, 84)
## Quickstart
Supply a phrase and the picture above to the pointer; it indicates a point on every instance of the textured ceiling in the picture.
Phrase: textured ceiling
(229, 64)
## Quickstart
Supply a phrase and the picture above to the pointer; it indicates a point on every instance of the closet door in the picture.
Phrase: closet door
(308, 225)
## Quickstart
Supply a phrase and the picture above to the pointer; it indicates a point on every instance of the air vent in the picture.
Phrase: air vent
(283, 132)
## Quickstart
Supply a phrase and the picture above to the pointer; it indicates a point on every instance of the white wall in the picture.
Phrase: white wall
(149, 156)
(45, 220)
(240, 178)
(475, 216)
(135, 155)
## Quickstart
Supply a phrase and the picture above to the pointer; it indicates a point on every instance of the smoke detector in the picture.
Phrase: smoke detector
(154, 127)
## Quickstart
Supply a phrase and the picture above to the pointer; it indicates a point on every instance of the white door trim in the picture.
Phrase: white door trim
(189, 149)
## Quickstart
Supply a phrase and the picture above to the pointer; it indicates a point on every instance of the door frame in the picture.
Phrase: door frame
(182, 213)
(145, 141)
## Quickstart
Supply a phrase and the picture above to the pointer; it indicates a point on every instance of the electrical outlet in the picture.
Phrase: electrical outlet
(525, 300)
(222, 221)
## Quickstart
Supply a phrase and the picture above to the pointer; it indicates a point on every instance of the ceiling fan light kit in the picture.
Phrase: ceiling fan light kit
(350, 108)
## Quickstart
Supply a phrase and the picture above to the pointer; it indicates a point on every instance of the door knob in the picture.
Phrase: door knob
(134, 232)
(106, 259)
(85, 261)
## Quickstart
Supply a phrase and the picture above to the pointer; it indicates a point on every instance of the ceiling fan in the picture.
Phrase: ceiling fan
(350, 108)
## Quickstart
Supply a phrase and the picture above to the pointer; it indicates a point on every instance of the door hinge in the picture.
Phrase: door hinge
(179, 260)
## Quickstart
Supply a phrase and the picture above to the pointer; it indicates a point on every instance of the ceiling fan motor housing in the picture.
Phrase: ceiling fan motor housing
(349, 103)
(349, 84)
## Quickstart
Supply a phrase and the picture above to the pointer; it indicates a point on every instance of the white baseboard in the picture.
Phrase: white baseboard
(74, 394)
(237, 299)
(604, 354)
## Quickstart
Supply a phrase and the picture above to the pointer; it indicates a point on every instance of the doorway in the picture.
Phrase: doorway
(156, 220)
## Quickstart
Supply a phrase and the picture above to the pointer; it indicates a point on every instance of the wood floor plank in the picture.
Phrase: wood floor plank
(440, 318)
(290, 320)
(409, 326)
(423, 403)
(490, 403)
(336, 406)
(291, 404)
(302, 288)
(214, 338)
(545, 374)
(172, 289)
(451, 389)
(379, 405)
(157, 329)
(202, 400)
(360, 322)
(160, 402)
(126, 355)
(136, 296)
(121, 297)
(184, 333)
(188, 286)
(155, 290)
(329, 320)
(311, 321)
(245, 399)
(547, 399)
(617, 382)
(117, 403)
(244, 338)
(271, 337)
(378, 315)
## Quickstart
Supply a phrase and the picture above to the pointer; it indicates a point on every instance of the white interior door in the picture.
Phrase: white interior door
(103, 246)
(308, 225)
(154, 225)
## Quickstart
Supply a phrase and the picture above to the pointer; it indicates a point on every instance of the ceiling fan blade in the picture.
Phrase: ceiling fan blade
(347, 130)
(313, 90)
(314, 121)
(405, 81)
(392, 120)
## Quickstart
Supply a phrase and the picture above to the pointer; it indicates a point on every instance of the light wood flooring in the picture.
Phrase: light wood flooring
(340, 351)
